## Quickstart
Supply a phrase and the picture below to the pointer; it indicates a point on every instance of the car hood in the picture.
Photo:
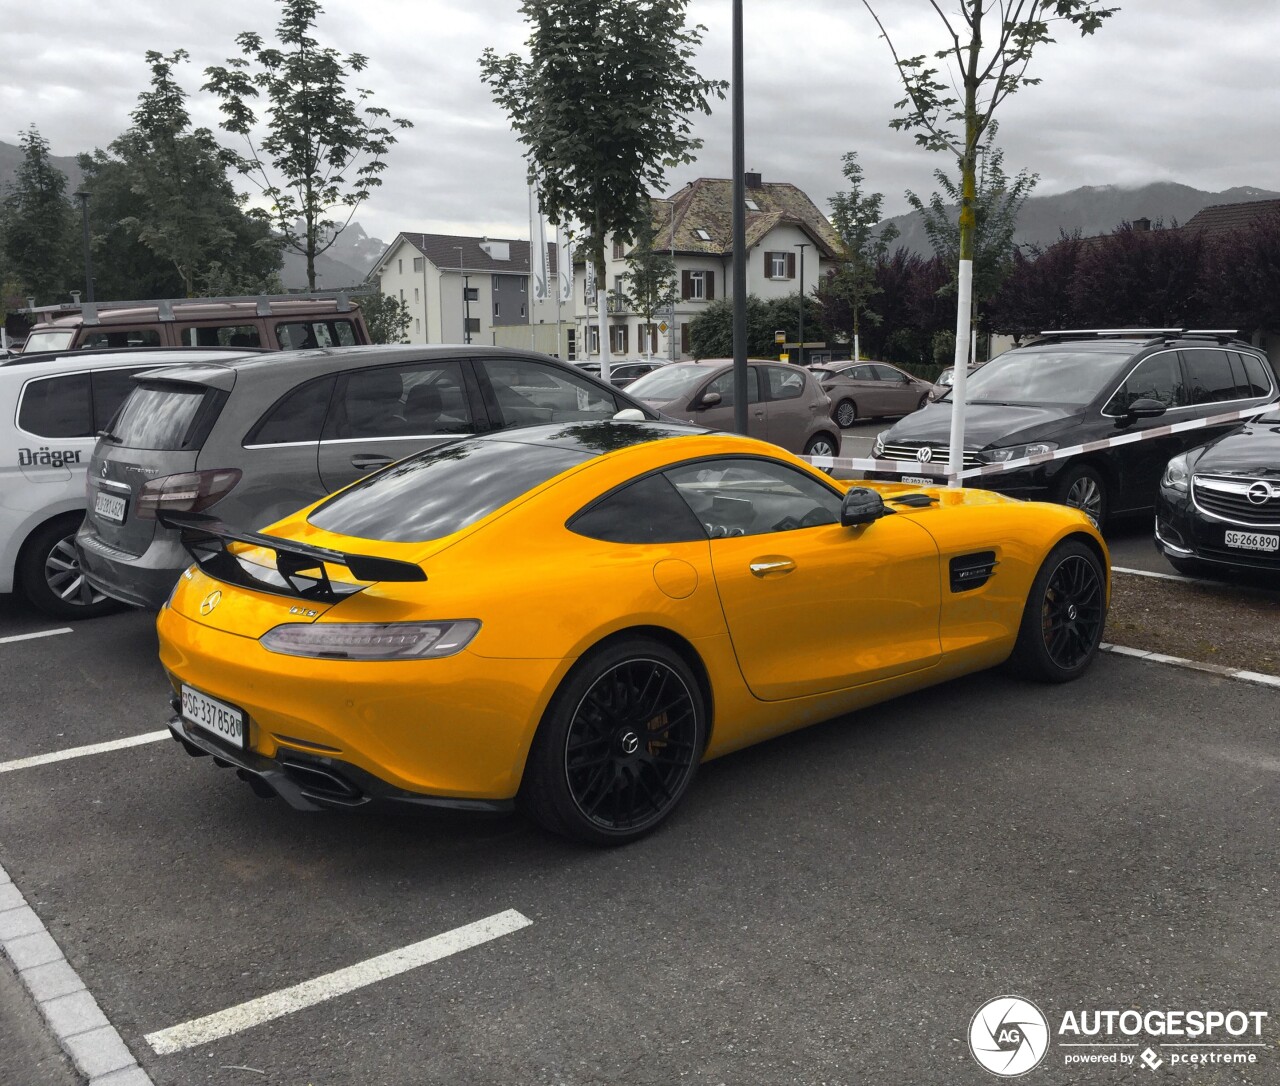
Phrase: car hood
(986, 425)
(1253, 450)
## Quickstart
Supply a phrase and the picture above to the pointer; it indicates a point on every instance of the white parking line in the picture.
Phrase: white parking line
(32, 636)
(80, 752)
(307, 994)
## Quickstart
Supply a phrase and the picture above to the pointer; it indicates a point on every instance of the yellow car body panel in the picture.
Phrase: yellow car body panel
(868, 614)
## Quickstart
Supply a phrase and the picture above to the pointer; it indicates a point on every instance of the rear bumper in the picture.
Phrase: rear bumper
(143, 580)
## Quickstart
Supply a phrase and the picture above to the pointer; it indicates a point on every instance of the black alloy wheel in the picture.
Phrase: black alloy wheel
(846, 414)
(619, 744)
(50, 574)
(1081, 487)
(1064, 616)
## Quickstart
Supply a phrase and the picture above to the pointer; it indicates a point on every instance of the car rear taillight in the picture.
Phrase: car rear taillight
(188, 492)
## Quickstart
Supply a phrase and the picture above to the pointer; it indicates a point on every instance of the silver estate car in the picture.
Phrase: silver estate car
(257, 438)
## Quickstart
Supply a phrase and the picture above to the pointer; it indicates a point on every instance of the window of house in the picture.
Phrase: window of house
(571, 344)
(402, 294)
(496, 311)
(752, 206)
(619, 250)
(702, 235)
(780, 265)
(472, 324)
(417, 324)
(400, 267)
(684, 338)
(618, 338)
(415, 295)
(522, 309)
(419, 264)
(697, 286)
(593, 335)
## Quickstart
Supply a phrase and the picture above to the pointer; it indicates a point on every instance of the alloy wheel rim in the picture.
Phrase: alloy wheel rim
(65, 578)
(631, 745)
(1086, 495)
(821, 448)
(1072, 612)
(846, 414)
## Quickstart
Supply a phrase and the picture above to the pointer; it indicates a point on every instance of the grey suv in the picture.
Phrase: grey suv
(260, 437)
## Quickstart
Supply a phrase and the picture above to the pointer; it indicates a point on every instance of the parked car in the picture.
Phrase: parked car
(1219, 503)
(51, 409)
(277, 322)
(870, 390)
(1071, 388)
(580, 615)
(622, 371)
(256, 438)
(785, 405)
(947, 378)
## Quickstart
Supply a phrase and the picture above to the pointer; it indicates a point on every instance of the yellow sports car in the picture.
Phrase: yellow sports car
(576, 616)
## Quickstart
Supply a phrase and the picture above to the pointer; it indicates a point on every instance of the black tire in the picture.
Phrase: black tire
(1083, 488)
(845, 414)
(50, 577)
(618, 745)
(924, 402)
(1064, 616)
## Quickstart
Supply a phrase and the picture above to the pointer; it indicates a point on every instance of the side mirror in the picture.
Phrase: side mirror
(1146, 409)
(709, 399)
(629, 414)
(861, 505)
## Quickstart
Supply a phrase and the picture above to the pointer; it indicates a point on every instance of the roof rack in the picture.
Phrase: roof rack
(1222, 335)
(164, 306)
(1102, 333)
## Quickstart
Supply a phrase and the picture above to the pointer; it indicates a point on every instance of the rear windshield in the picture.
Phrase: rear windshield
(438, 492)
(159, 416)
(1066, 376)
(58, 340)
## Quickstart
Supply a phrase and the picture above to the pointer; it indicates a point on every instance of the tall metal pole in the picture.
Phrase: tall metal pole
(802, 246)
(88, 252)
(739, 235)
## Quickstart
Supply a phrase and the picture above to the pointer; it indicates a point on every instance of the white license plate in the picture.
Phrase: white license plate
(214, 716)
(922, 480)
(110, 507)
(1253, 541)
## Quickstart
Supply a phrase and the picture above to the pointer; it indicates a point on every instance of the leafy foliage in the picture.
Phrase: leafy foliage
(711, 331)
(327, 147)
(38, 225)
(387, 318)
(851, 287)
(649, 285)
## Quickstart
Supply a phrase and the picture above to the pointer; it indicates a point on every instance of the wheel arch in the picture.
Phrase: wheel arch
(19, 555)
(1098, 552)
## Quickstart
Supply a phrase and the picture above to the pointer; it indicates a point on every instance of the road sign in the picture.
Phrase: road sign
(662, 327)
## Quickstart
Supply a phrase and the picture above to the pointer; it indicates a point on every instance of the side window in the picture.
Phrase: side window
(1256, 382)
(222, 335)
(527, 393)
(1209, 375)
(646, 511)
(861, 373)
(57, 407)
(101, 338)
(401, 401)
(110, 387)
(739, 496)
(295, 417)
(724, 385)
(1156, 378)
(884, 373)
(303, 335)
(785, 384)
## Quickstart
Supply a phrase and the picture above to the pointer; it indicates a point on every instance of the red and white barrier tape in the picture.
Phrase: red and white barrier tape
(943, 474)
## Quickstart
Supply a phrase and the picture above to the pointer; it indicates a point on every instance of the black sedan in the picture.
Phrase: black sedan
(1219, 504)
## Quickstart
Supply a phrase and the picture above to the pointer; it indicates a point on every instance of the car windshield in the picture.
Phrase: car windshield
(438, 492)
(1068, 376)
(667, 384)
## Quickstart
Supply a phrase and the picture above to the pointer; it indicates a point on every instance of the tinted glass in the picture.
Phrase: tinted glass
(57, 407)
(110, 389)
(435, 400)
(1066, 375)
(222, 335)
(740, 496)
(887, 373)
(784, 384)
(1256, 380)
(724, 385)
(401, 401)
(122, 337)
(438, 492)
(860, 373)
(158, 417)
(298, 416)
(528, 393)
(1156, 378)
(667, 384)
(1209, 376)
(646, 511)
(303, 335)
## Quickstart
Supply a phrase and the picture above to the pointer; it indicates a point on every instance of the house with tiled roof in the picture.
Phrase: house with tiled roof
(790, 244)
(462, 289)
(1220, 220)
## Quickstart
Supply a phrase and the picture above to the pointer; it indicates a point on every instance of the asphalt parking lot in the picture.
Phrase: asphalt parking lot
(831, 907)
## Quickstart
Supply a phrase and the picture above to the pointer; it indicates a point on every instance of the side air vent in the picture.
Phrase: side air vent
(971, 571)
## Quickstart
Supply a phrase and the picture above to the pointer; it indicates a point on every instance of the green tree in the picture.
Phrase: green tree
(386, 317)
(327, 148)
(854, 217)
(952, 96)
(602, 105)
(711, 331)
(38, 225)
(649, 283)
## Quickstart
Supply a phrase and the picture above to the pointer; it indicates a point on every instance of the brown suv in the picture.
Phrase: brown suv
(281, 322)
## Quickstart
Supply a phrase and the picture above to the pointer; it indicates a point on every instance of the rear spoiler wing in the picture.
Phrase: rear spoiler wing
(299, 568)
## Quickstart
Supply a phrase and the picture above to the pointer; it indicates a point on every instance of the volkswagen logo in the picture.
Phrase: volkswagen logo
(1259, 493)
(924, 454)
(210, 601)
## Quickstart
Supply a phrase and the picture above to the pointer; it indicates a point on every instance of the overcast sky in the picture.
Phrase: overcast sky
(1167, 90)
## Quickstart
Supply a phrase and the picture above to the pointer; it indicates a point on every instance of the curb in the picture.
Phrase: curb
(73, 1016)
(1192, 665)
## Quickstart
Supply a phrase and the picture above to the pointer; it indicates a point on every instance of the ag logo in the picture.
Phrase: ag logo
(1008, 1036)
(210, 601)
(924, 454)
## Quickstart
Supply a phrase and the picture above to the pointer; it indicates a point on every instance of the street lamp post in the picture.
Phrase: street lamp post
(83, 197)
(802, 246)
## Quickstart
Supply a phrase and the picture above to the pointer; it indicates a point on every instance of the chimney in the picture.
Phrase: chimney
(753, 181)
(1142, 224)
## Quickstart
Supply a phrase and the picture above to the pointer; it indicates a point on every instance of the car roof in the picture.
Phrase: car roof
(127, 356)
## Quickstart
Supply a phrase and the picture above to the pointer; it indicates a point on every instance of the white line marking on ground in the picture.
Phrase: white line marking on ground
(1158, 576)
(33, 636)
(212, 1027)
(1193, 665)
(81, 752)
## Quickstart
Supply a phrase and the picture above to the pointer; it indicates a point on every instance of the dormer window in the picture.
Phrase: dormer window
(702, 235)
(752, 206)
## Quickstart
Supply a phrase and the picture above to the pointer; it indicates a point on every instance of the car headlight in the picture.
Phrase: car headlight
(877, 450)
(1016, 452)
(1177, 474)
(371, 640)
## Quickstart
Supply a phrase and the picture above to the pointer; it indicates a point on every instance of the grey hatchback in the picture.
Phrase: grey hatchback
(262, 436)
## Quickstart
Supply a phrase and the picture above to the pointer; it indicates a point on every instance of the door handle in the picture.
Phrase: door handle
(770, 564)
(369, 461)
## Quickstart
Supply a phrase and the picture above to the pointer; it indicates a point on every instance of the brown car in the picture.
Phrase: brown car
(865, 390)
(784, 403)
